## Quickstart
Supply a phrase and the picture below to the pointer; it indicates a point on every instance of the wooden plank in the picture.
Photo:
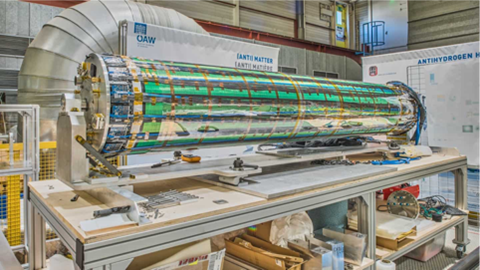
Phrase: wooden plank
(365, 264)
(56, 195)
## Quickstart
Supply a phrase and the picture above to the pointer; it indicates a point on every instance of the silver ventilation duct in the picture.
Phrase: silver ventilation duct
(52, 59)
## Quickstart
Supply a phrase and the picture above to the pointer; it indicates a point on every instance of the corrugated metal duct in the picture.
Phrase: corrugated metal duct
(52, 59)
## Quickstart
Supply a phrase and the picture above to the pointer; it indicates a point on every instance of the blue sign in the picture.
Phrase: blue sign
(448, 58)
(141, 30)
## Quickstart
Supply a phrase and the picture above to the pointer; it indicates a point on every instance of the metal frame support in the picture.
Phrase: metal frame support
(366, 207)
(461, 230)
(300, 19)
(37, 239)
(122, 37)
(461, 188)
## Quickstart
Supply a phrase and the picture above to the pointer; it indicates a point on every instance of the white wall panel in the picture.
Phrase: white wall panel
(395, 16)
(267, 23)
(285, 8)
(202, 10)
(318, 34)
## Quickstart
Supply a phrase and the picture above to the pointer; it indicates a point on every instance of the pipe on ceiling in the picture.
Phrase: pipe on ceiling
(52, 59)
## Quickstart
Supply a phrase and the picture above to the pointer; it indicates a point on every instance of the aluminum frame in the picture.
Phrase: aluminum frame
(30, 168)
(118, 251)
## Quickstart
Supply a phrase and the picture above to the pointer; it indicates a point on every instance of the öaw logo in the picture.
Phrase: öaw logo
(141, 30)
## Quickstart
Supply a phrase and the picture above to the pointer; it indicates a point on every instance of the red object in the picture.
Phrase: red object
(56, 3)
(415, 190)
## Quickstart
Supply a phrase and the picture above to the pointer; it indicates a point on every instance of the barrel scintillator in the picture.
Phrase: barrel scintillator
(134, 105)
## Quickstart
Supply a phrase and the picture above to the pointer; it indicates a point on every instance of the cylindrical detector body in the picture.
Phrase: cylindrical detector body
(135, 105)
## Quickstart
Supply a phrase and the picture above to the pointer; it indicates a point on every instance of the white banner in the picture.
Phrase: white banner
(448, 77)
(167, 44)
(452, 104)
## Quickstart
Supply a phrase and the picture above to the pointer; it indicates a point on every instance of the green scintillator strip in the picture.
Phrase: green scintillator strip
(199, 105)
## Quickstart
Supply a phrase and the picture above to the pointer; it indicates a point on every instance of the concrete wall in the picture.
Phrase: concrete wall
(19, 24)
(24, 19)
(441, 23)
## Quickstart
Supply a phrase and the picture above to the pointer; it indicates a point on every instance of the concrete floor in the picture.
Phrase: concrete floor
(446, 258)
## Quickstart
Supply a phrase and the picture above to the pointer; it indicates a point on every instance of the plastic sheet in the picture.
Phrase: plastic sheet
(385, 265)
(388, 225)
(296, 226)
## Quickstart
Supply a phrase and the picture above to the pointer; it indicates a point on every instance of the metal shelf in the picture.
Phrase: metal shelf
(118, 252)
(424, 238)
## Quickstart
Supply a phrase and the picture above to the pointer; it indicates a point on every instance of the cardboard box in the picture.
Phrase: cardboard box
(190, 256)
(212, 261)
(264, 254)
(396, 244)
(234, 263)
(261, 231)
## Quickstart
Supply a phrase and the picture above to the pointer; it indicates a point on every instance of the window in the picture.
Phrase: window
(325, 74)
(287, 70)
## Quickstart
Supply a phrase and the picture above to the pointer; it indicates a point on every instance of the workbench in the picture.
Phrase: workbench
(50, 201)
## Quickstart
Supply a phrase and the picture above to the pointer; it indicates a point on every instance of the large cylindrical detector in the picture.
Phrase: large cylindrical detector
(135, 105)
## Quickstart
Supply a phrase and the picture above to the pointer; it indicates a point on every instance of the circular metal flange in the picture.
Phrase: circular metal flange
(403, 203)
(96, 95)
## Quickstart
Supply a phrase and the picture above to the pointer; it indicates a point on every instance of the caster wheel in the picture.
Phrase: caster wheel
(461, 251)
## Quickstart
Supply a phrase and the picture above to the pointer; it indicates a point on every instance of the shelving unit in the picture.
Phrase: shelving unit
(117, 249)
(421, 238)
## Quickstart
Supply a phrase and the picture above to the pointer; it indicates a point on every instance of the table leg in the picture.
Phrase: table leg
(36, 243)
(461, 230)
(366, 207)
